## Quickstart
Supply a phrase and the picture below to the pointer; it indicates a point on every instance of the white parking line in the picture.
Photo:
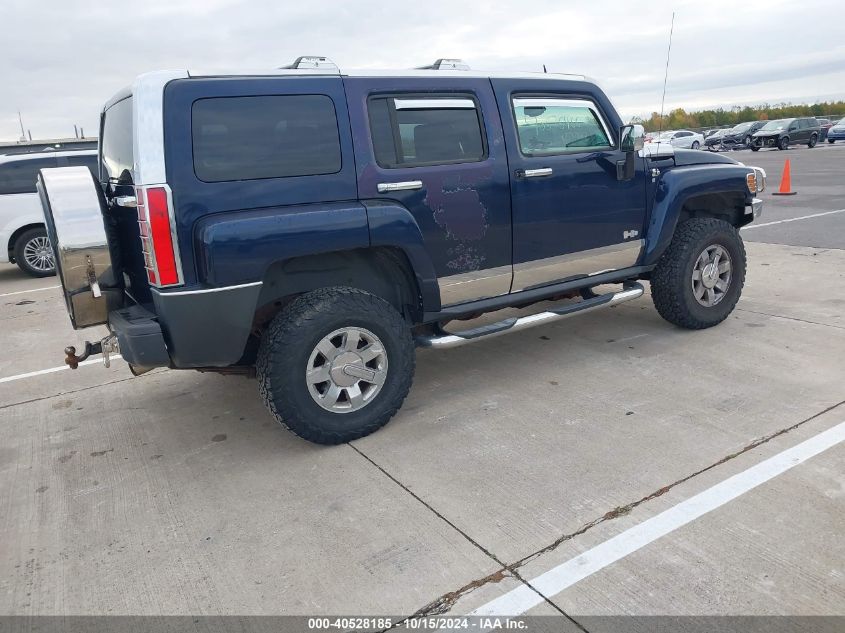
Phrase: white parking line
(51, 370)
(803, 217)
(20, 292)
(521, 599)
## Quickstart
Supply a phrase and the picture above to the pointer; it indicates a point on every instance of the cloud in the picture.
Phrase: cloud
(61, 63)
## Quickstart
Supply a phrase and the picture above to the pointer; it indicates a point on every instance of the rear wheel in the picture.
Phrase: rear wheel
(699, 278)
(335, 364)
(813, 140)
(696, 144)
(33, 253)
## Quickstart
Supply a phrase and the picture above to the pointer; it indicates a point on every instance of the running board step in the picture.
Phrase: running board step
(446, 340)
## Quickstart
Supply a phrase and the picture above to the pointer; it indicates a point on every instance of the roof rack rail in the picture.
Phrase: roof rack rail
(446, 64)
(312, 61)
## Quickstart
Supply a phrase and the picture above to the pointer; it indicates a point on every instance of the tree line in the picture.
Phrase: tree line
(720, 117)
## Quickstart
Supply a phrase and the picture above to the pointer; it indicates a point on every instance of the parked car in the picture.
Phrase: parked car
(23, 236)
(680, 138)
(782, 133)
(836, 132)
(314, 226)
(714, 141)
(741, 134)
(824, 125)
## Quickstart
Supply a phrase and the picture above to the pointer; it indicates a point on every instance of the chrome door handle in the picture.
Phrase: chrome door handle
(385, 187)
(536, 173)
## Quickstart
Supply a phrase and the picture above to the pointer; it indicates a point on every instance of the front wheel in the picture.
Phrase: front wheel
(34, 254)
(696, 145)
(698, 280)
(783, 143)
(335, 364)
(747, 141)
(754, 148)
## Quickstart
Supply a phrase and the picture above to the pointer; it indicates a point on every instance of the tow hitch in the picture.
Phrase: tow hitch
(106, 347)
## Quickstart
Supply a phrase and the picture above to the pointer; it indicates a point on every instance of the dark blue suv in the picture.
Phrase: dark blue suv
(313, 226)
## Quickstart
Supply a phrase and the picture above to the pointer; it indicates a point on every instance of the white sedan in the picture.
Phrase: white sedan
(680, 138)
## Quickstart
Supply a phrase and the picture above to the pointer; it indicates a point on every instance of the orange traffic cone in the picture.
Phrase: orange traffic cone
(785, 183)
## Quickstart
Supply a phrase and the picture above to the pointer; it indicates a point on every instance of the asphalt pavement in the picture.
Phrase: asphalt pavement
(606, 465)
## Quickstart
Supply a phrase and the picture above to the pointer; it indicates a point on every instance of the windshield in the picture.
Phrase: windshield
(780, 124)
(743, 126)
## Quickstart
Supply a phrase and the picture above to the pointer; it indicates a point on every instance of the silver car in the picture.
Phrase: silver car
(680, 138)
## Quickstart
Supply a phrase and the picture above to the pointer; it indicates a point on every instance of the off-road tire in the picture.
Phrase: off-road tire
(671, 280)
(813, 140)
(288, 342)
(20, 259)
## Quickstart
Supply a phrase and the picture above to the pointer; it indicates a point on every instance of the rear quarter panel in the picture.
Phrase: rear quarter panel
(268, 198)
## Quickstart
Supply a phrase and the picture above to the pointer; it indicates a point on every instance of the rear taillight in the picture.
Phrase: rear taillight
(154, 226)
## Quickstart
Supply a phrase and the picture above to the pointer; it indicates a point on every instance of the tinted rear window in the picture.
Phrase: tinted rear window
(412, 131)
(116, 142)
(19, 176)
(249, 138)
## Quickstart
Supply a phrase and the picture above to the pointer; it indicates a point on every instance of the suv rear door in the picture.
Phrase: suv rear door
(572, 216)
(439, 140)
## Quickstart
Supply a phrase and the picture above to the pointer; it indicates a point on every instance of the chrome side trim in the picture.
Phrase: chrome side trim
(176, 293)
(447, 341)
(433, 103)
(540, 272)
(477, 284)
(148, 124)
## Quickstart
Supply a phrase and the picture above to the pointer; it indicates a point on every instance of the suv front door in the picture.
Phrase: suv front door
(572, 214)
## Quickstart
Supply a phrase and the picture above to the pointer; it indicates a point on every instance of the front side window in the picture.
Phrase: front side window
(250, 138)
(19, 176)
(415, 131)
(548, 125)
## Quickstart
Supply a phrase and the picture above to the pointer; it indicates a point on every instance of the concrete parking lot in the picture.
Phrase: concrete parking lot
(610, 464)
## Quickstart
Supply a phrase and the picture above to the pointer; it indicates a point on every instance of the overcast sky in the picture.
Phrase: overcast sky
(61, 59)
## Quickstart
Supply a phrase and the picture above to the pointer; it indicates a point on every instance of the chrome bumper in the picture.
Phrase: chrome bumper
(755, 208)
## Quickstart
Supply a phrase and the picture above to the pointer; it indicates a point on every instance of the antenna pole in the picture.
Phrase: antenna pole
(20, 120)
(666, 75)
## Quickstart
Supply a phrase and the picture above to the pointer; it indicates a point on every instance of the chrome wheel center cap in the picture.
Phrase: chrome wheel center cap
(345, 369)
(710, 275)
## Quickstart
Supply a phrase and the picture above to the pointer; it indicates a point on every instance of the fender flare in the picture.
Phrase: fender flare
(675, 188)
(392, 225)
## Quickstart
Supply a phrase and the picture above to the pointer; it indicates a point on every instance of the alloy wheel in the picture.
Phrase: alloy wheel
(711, 275)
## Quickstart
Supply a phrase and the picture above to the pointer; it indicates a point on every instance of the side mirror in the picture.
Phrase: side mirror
(631, 138)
